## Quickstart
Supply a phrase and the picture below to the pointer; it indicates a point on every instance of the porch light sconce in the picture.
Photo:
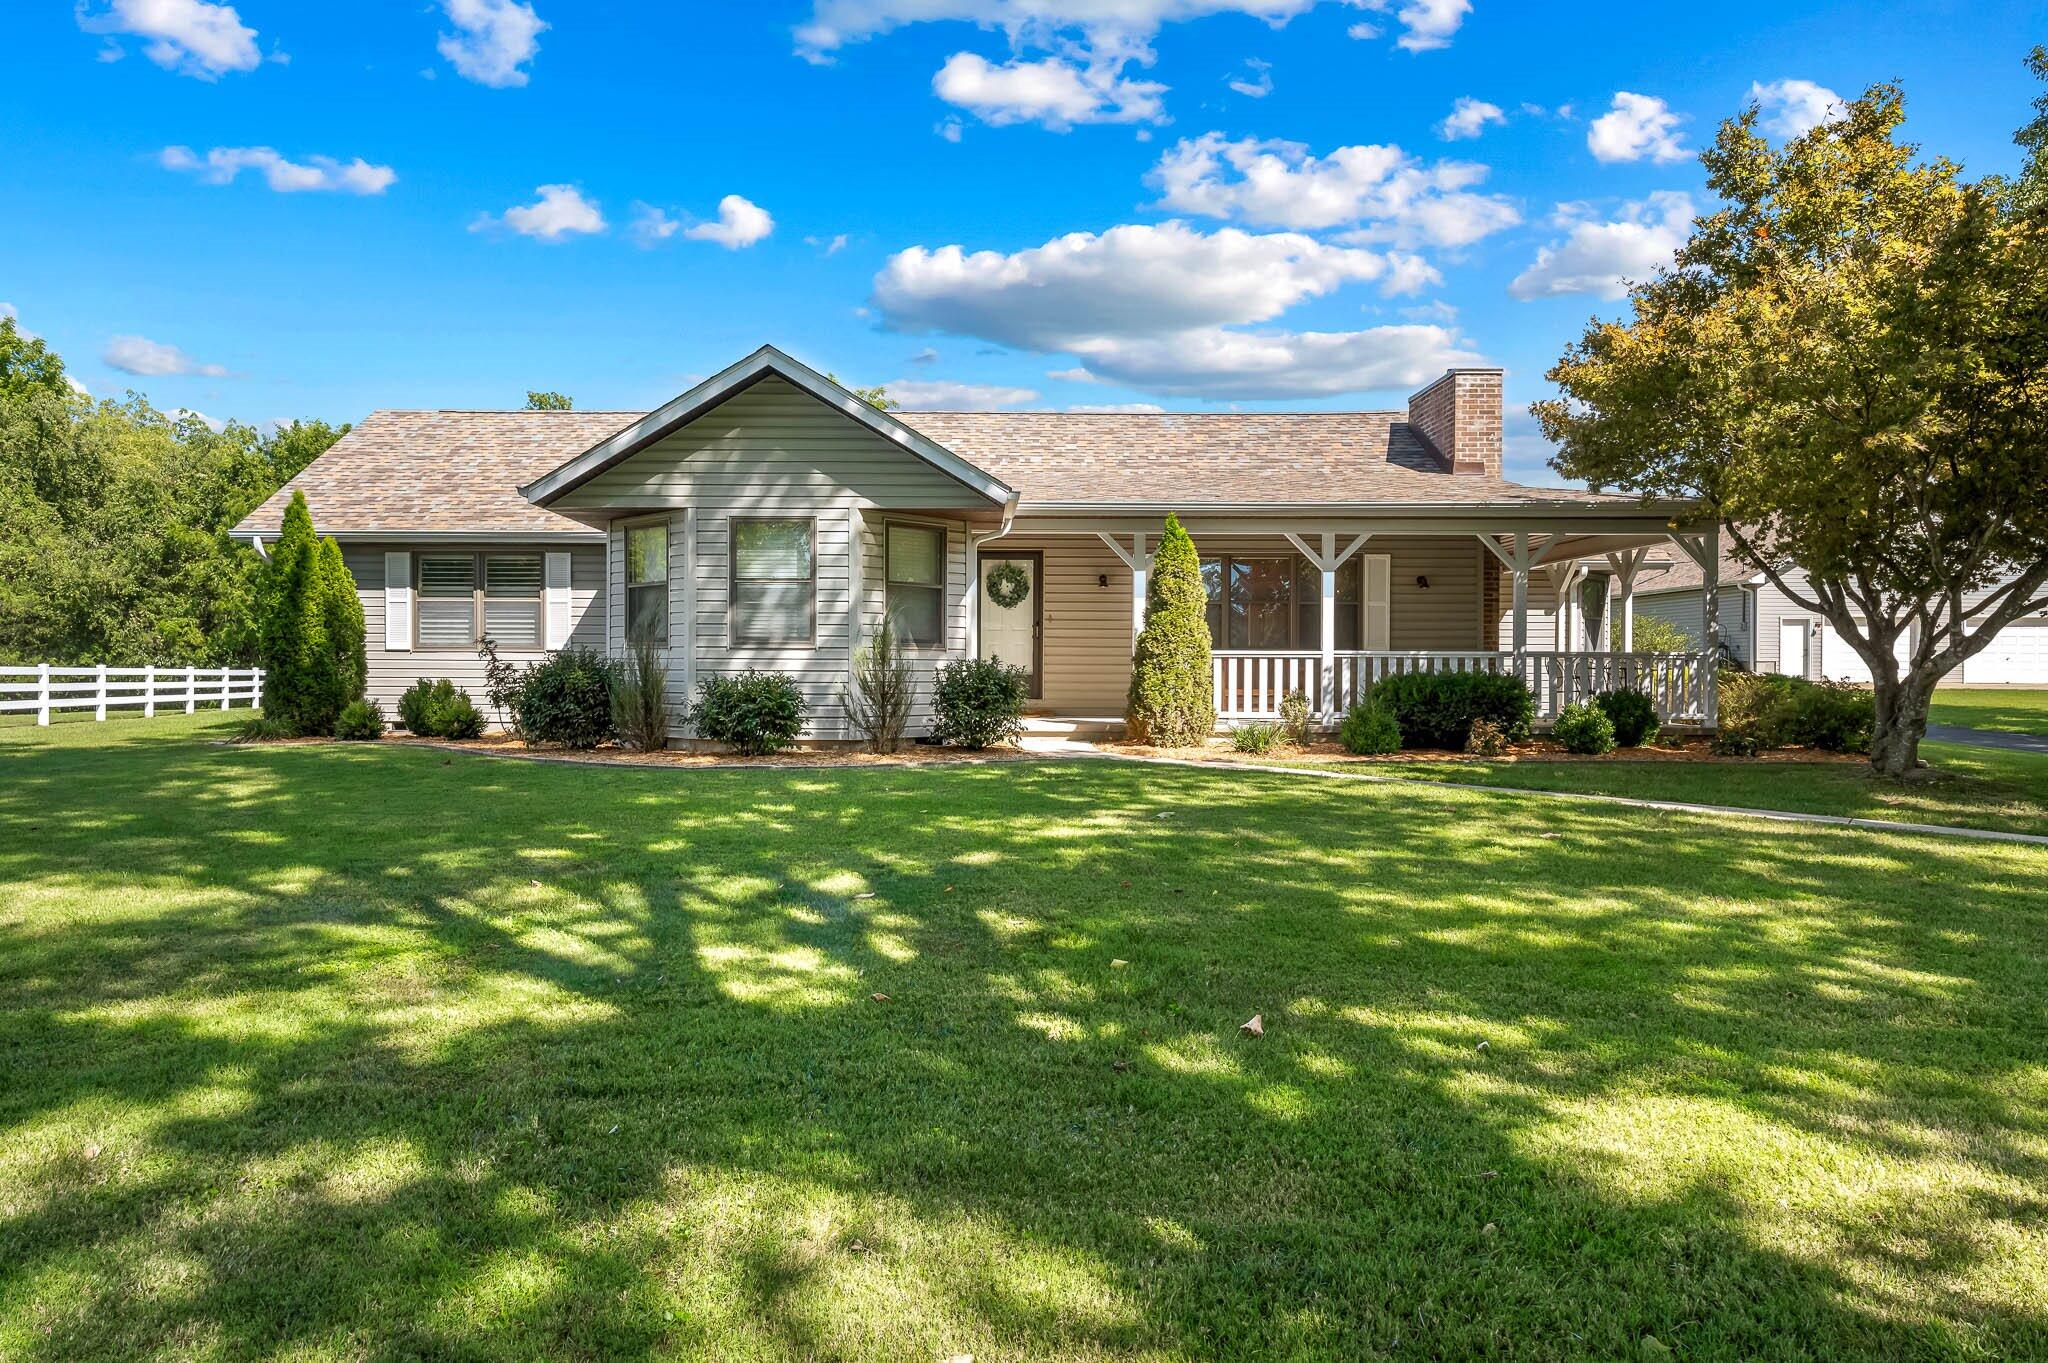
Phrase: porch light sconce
(1102, 579)
(1422, 582)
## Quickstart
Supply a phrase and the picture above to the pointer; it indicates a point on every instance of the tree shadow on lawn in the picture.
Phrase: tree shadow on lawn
(364, 1087)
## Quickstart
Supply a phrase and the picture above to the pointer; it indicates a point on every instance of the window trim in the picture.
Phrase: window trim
(943, 586)
(477, 593)
(627, 584)
(732, 581)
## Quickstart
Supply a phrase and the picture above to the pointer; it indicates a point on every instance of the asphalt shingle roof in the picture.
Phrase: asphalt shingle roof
(450, 472)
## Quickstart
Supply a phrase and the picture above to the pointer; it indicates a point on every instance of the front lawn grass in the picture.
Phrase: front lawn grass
(333, 1052)
(2015, 711)
(1966, 787)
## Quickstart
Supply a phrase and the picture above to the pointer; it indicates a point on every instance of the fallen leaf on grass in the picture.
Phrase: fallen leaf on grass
(1117, 963)
(1255, 1027)
(879, 998)
(865, 894)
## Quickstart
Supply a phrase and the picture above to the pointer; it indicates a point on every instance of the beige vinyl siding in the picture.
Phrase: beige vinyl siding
(1086, 627)
(925, 662)
(390, 673)
(1542, 612)
(769, 450)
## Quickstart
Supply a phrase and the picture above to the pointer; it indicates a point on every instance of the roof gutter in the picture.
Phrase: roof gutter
(1446, 509)
(255, 537)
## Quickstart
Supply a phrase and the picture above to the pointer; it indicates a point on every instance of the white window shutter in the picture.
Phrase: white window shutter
(1379, 583)
(556, 605)
(398, 603)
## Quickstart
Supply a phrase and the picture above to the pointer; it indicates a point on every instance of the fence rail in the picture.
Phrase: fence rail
(1249, 684)
(44, 689)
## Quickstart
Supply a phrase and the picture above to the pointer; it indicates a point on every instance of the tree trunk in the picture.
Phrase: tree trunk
(1901, 724)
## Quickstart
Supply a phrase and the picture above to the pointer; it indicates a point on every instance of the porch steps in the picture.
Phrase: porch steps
(1073, 726)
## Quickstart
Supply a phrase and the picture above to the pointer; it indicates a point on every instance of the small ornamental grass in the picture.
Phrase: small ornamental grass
(757, 713)
(978, 702)
(1369, 729)
(1584, 728)
(1297, 724)
(1255, 739)
(640, 699)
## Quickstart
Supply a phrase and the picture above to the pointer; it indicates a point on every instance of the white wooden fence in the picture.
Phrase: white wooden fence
(1250, 684)
(44, 689)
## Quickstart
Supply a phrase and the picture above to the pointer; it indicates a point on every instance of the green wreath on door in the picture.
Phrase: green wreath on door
(1008, 583)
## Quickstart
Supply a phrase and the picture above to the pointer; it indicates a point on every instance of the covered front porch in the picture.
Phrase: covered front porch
(1327, 607)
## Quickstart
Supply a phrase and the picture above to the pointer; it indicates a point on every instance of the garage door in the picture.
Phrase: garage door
(2017, 656)
(1839, 661)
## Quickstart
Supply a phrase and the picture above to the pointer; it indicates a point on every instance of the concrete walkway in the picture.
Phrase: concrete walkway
(1989, 738)
(1581, 797)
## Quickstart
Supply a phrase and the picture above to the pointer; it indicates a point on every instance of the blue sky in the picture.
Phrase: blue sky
(281, 208)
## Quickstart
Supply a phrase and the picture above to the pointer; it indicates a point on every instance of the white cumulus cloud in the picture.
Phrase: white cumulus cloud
(222, 164)
(651, 225)
(1638, 126)
(1793, 108)
(1468, 118)
(740, 223)
(190, 37)
(151, 359)
(1257, 83)
(944, 395)
(1603, 258)
(1104, 23)
(492, 41)
(1056, 92)
(1382, 190)
(1426, 25)
(1156, 307)
(561, 211)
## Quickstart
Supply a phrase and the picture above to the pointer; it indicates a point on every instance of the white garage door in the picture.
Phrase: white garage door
(2017, 656)
(1841, 662)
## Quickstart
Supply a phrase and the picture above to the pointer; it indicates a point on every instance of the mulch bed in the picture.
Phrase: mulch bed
(1536, 750)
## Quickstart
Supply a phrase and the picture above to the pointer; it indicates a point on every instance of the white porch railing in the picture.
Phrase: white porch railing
(1249, 684)
(44, 689)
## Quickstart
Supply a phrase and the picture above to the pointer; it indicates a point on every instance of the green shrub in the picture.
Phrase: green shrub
(1369, 728)
(1170, 702)
(416, 706)
(1631, 712)
(757, 713)
(1584, 728)
(566, 698)
(1828, 716)
(360, 721)
(1653, 635)
(1297, 725)
(978, 701)
(262, 728)
(1733, 743)
(640, 698)
(1753, 704)
(1256, 739)
(1436, 709)
(1486, 739)
(455, 717)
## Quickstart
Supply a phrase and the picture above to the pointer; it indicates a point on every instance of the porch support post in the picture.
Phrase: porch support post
(1329, 618)
(1626, 565)
(1139, 561)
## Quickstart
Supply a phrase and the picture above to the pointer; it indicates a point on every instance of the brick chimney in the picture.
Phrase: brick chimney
(1459, 414)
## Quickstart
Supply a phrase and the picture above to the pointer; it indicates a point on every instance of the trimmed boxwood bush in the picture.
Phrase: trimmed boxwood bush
(360, 721)
(1369, 729)
(1436, 709)
(978, 701)
(566, 698)
(437, 709)
(1632, 713)
(456, 717)
(756, 712)
(1584, 728)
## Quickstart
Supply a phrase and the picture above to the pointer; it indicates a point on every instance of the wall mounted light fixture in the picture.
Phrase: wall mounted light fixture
(1422, 582)
(1102, 579)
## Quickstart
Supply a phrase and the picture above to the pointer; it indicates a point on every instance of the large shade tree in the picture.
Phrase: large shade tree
(1848, 364)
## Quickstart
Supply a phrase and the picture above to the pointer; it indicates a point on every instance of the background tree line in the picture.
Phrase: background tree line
(114, 521)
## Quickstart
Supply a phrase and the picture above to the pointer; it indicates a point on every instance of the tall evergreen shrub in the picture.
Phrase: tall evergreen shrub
(310, 637)
(1170, 702)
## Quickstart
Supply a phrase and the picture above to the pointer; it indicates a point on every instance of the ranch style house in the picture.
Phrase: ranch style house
(770, 519)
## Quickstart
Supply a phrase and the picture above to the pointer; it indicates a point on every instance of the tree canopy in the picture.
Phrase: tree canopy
(542, 400)
(1848, 365)
(114, 521)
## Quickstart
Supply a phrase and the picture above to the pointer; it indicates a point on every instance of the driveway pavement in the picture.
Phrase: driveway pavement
(1989, 738)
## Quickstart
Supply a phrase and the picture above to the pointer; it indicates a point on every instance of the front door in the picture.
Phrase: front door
(1010, 633)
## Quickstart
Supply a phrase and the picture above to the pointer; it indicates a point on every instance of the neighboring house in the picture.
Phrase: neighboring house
(768, 518)
(1767, 631)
